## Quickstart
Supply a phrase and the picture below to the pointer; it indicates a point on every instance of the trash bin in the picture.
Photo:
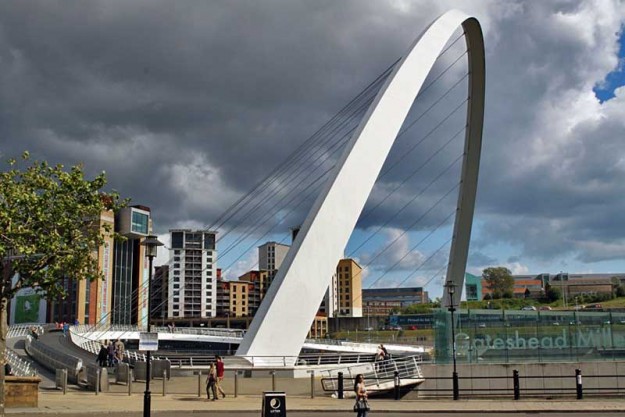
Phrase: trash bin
(274, 404)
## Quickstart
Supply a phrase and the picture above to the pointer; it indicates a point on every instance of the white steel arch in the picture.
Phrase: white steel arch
(282, 322)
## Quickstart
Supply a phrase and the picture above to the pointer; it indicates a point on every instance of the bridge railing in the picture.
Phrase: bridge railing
(19, 366)
(21, 330)
(310, 359)
(76, 334)
(53, 359)
(377, 374)
(204, 331)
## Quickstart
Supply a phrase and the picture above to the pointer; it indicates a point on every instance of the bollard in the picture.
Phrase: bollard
(97, 381)
(397, 386)
(129, 381)
(578, 384)
(273, 380)
(517, 387)
(64, 381)
(164, 382)
(236, 384)
(199, 384)
(312, 384)
(340, 385)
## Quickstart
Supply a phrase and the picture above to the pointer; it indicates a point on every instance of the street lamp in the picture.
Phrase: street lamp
(451, 290)
(151, 244)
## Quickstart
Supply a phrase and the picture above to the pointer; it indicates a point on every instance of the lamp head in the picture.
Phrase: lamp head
(151, 244)
(451, 287)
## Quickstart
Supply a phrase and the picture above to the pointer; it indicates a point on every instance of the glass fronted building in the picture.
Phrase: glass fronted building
(498, 336)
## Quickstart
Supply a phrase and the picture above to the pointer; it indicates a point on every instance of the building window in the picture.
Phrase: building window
(139, 223)
(177, 239)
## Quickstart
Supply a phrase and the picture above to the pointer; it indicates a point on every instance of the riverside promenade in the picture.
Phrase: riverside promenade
(119, 404)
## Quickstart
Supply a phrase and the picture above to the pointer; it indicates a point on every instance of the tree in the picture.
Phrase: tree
(618, 290)
(551, 293)
(49, 229)
(499, 280)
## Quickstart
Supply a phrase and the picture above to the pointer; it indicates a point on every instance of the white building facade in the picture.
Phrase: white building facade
(192, 285)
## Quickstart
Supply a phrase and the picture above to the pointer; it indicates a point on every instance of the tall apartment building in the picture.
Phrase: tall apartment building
(260, 284)
(159, 293)
(192, 285)
(130, 271)
(270, 257)
(346, 296)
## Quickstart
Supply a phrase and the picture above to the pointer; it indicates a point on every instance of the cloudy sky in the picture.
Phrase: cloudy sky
(186, 105)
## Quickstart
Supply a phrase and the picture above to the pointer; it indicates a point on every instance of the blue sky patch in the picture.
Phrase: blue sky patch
(615, 78)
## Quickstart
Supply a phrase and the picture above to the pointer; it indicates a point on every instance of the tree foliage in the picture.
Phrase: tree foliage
(551, 293)
(499, 280)
(50, 225)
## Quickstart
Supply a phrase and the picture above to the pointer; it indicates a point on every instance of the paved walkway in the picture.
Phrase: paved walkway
(53, 402)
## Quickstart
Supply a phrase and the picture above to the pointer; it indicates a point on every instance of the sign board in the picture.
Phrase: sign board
(274, 404)
(148, 341)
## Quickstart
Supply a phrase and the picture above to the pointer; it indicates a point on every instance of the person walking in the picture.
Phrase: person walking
(361, 406)
(211, 382)
(119, 350)
(220, 375)
(110, 349)
(103, 356)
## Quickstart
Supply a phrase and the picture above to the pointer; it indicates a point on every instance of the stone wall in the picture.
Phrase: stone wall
(21, 391)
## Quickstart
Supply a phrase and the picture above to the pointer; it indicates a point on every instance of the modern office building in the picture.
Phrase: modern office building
(381, 301)
(473, 287)
(130, 270)
(86, 301)
(192, 285)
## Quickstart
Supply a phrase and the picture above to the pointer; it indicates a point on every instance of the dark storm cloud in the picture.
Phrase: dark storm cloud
(187, 105)
(233, 86)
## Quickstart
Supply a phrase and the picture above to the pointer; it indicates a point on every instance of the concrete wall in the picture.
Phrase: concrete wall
(536, 379)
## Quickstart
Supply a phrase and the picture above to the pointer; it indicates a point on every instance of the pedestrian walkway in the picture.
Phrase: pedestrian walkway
(53, 402)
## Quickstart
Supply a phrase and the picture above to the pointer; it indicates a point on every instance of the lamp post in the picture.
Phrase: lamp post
(451, 290)
(151, 244)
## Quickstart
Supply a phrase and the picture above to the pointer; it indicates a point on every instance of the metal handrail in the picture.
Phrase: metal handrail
(376, 373)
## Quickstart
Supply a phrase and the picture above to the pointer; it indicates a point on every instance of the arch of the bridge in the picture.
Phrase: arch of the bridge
(283, 319)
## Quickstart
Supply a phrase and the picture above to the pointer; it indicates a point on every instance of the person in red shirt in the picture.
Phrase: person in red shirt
(220, 375)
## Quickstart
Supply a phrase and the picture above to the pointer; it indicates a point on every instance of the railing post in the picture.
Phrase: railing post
(236, 384)
(312, 384)
(515, 382)
(340, 387)
(397, 386)
(455, 385)
(578, 384)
